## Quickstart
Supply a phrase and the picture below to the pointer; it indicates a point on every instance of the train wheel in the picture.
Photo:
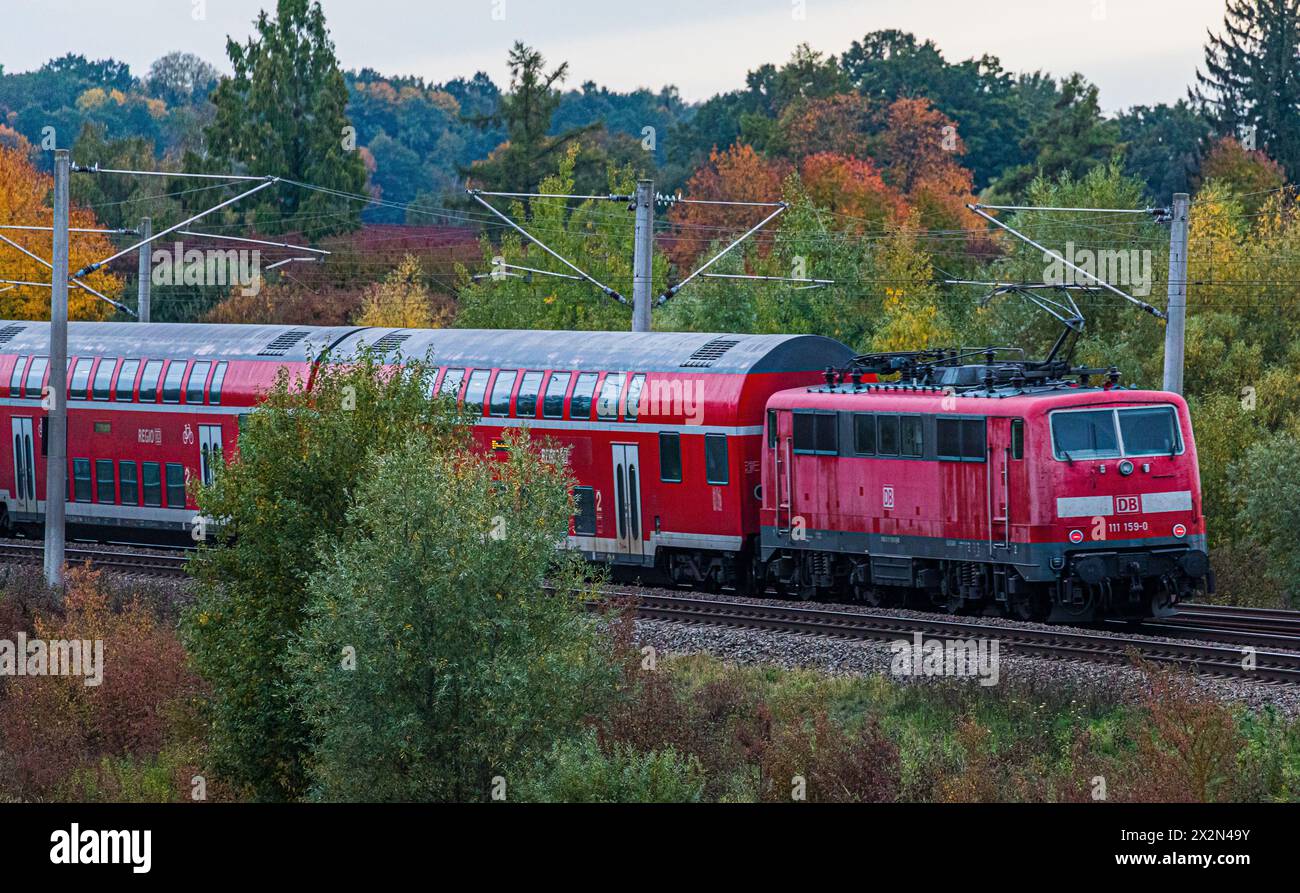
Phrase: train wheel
(1031, 606)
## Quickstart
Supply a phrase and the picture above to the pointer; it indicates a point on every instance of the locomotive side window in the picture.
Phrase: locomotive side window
(1149, 432)
(771, 429)
(80, 379)
(175, 485)
(610, 389)
(36, 376)
(103, 388)
(961, 439)
(149, 381)
(553, 404)
(887, 435)
(1017, 438)
(172, 383)
(81, 480)
(526, 402)
(715, 459)
(580, 402)
(912, 443)
(198, 380)
(584, 521)
(499, 405)
(105, 489)
(125, 389)
(130, 483)
(1085, 435)
(670, 457)
(864, 434)
(218, 379)
(152, 483)
(634, 388)
(16, 377)
(816, 433)
(476, 390)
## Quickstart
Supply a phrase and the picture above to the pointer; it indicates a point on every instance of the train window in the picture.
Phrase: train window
(1085, 435)
(218, 379)
(580, 402)
(887, 435)
(130, 483)
(670, 457)
(864, 434)
(911, 439)
(149, 381)
(451, 381)
(16, 377)
(584, 520)
(501, 388)
(81, 480)
(816, 432)
(634, 389)
(553, 404)
(36, 376)
(771, 429)
(151, 480)
(175, 485)
(1149, 431)
(828, 430)
(476, 390)
(125, 389)
(80, 379)
(961, 439)
(610, 390)
(715, 459)
(197, 382)
(105, 485)
(103, 387)
(1017, 438)
(974, 442)
(526, 400)
(172, 383)
(805, 433)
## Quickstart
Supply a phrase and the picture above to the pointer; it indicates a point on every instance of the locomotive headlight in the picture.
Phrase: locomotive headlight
(1126, 468)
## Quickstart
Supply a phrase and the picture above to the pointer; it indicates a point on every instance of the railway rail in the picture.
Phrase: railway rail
(1210, 637)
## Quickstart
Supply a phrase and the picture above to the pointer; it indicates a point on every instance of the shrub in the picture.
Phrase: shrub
(581, 771)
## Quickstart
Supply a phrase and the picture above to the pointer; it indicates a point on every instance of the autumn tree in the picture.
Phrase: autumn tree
(738, 174)
(403, 301)
(913, 312)
(1250, 173)
(24, 196)
(853, 189)
(845, 123)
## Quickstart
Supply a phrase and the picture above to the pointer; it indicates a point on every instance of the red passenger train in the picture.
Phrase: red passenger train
(711, 460)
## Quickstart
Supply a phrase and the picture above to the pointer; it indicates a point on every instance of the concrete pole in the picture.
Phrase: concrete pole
(1177, 310)
(56, 403)
(643, 261)
(142, 306)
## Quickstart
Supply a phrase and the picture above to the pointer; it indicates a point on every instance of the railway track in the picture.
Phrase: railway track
(1107, 647)
(147, 563)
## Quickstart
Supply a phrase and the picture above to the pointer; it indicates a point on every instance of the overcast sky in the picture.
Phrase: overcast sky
(1136, 51)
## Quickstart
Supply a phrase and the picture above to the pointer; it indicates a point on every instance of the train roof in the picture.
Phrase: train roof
(900, 397)
(482, 348)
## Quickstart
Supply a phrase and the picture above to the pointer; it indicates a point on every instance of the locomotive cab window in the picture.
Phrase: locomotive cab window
(715, 459)
(670, 457)
(816, 433)
(499, 405)
(125, 390)
(526, 401)
(553, 404)
(1149, 431)
(584, 519)
(1089, 434)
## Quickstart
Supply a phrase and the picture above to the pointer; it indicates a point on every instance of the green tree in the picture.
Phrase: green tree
(465, 666)
(1163, 145)
(1266, 481)
(302, 457)
(283, 114)
(1251, 81)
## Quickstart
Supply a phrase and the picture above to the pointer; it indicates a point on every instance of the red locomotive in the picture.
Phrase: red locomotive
(984, 484)
(713, 460)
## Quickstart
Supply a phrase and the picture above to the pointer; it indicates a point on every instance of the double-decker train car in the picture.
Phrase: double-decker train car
(662, 432)
(985, 485)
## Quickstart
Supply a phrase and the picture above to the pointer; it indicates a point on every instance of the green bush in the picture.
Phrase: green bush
(432, 661)
(579, 771)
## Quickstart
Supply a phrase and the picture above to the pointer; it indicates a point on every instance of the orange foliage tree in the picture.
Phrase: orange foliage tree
(853, 188)
(846, 123)
(738, 174)
(23, 201)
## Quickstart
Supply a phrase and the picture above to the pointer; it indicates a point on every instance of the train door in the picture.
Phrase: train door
(209, 452)
(24, 466)
(782, 459)
(1006, 480)
(627, 499)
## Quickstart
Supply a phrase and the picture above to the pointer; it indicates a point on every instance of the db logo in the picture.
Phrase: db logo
(887, 497)
(1076, 536)
(1127, 505)
(1180, 530)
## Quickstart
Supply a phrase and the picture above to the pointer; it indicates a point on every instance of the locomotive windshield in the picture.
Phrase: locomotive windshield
(1111, 433)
